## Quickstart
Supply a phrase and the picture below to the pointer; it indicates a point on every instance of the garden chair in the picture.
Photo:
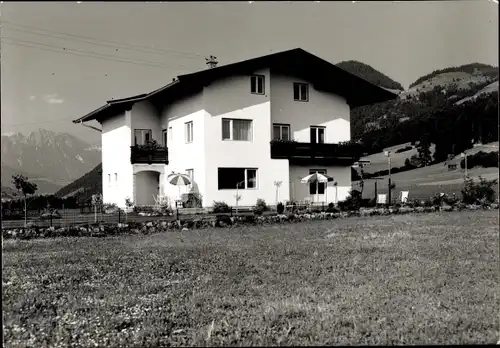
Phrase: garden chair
(404, 196)
(381, 198)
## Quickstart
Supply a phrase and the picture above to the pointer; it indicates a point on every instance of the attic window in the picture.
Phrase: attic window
(300, 92)
(257, 84)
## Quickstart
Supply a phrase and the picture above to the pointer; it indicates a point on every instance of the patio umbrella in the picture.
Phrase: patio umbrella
(179, 179)
(317, 178)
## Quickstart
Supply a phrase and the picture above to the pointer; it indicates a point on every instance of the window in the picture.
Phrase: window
(116, 179)
(109, 180)
(317, 135)
(142, 136)
(244, 178)
(164, 137)
(257, 84)
(236, 129)
(188, 126)
(301, 92)
(281, 131)
(170, 135)
(321, 185)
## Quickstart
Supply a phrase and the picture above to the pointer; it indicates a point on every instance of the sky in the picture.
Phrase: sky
(61, 60)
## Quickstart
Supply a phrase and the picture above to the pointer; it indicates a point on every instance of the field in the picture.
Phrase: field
(414, 279)
(423, 182)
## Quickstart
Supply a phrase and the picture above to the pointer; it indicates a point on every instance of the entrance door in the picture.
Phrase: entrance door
(317, 192)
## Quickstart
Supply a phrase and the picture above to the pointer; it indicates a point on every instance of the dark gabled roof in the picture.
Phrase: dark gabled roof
(297, 62)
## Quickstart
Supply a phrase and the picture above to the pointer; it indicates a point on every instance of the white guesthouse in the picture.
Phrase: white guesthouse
(273, 118)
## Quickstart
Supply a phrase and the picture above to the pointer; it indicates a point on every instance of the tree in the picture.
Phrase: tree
(424, 152)
(24, 187)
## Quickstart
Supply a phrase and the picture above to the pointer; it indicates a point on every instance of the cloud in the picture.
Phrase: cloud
(33, 97)
(53, 99)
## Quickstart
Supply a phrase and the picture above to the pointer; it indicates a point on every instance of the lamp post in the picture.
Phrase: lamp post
(277, 184)
(464, 156)
(237, 196)
(388, 155)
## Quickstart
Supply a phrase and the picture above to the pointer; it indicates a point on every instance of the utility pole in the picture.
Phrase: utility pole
(388, 155)
(464, 156)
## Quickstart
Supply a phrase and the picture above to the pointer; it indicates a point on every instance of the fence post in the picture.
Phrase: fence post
(119, 215)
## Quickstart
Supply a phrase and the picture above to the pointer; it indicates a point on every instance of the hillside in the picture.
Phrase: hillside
(440, 92)
(85, 186)
(469, 69)
(47, 158)
(370, 74)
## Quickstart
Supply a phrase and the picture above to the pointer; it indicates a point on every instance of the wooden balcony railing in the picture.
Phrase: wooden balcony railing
(316, 153)
(144, 154)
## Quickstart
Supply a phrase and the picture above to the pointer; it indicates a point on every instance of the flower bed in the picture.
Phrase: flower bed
(223, 221)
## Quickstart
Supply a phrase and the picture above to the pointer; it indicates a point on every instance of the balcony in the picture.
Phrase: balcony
(310, 153)
(149, 154)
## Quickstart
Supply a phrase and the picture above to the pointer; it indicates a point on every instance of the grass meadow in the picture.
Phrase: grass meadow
(412, 279)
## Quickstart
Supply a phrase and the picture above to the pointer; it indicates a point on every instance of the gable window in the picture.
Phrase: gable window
(321, 185)
(142, 136)
(317, 135)
(109, 180)
(164, 137)
(244, 178)
(300, 92)
(189, 132)
(281, 131)
(236, 129)
(257, 84)
(116, 179)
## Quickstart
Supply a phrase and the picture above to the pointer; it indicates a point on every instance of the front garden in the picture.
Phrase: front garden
(475, 196)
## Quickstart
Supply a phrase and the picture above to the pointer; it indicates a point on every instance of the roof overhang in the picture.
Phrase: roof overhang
(297, 62)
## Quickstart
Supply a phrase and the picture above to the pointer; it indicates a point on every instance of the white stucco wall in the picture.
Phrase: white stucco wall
(322, 109)
(182, 155)
(145, 116)
(231, 98)
(341, 175)
(115, 150)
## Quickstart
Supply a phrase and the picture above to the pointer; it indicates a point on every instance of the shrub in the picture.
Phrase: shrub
(194, 200)
(260, 207)
(352, 203)
(221, 207)
(477, 192)
(483, 159)
(331, 208)
(280, 208)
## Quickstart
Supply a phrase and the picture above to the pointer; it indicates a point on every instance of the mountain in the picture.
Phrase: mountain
(370, 74)
(455, 107)
(47, 158)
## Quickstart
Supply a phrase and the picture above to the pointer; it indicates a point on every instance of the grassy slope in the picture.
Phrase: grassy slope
(427, 181)
(421, 279)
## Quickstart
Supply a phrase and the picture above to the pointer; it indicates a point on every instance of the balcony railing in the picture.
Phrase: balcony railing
(149, 154)
(346, 153)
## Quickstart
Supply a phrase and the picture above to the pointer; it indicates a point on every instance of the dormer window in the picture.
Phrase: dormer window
(257, 84)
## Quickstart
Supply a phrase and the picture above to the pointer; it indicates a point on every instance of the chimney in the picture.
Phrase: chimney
(211, 62)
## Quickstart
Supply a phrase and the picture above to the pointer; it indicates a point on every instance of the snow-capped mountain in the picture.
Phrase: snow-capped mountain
(55, 159)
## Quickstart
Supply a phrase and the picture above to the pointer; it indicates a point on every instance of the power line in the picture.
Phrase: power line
(97, 43)
(93, 54)
(187, 54)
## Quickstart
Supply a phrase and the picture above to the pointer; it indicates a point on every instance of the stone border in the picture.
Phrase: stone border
(96, 230)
